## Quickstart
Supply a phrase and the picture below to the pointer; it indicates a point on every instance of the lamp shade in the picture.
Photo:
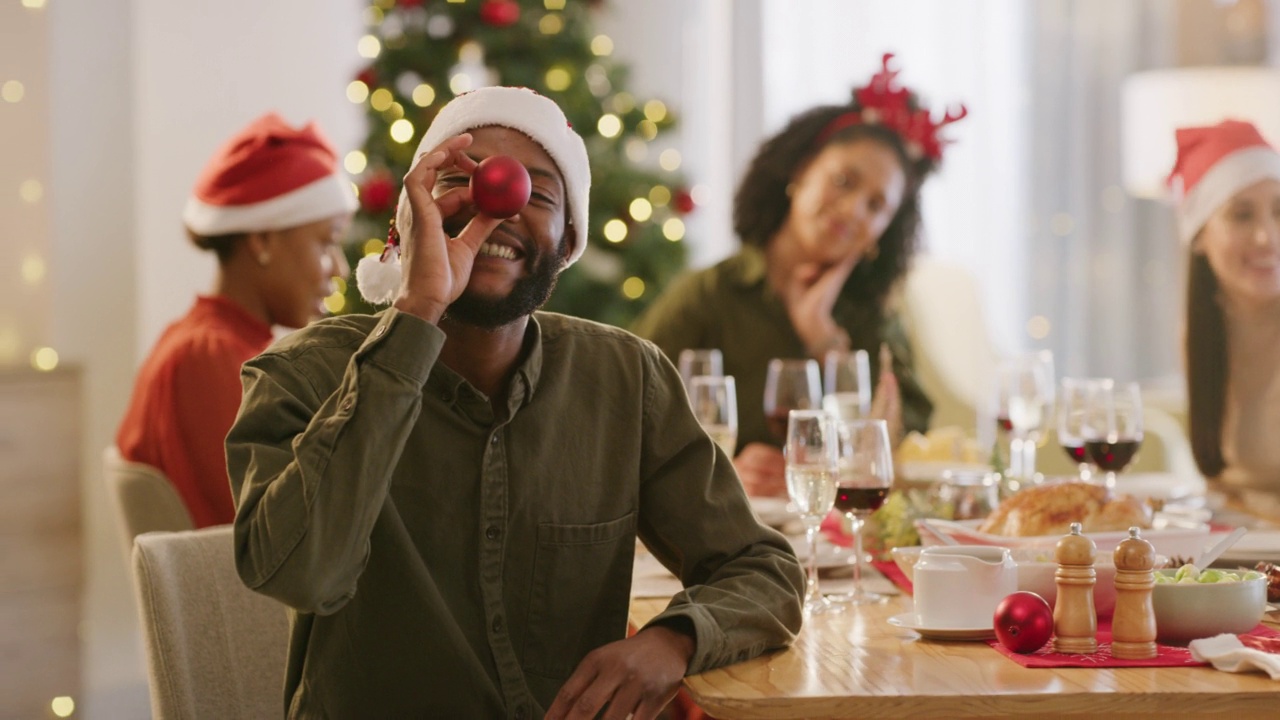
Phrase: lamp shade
(1154, 104)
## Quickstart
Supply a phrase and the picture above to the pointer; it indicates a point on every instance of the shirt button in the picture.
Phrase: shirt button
(520, 713)
(492, 532)
(497, 623)
(381, 329)
(494, 440)
(347, 403)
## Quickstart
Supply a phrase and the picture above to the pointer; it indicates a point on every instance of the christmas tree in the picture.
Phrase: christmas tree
(423, 53)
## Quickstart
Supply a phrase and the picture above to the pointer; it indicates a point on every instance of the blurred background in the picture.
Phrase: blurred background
(1047, 203)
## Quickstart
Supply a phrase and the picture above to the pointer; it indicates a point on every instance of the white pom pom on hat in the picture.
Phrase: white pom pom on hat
(1214, 163)
(517, 108)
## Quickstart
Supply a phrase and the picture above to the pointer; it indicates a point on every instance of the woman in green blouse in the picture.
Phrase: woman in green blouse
(828, 214)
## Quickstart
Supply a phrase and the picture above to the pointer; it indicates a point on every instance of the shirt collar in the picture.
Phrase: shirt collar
(449, 385)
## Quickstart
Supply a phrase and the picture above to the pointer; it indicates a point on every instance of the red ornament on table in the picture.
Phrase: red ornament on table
(377, 194)
(499, 13)
(1023, 622)
(500, 186)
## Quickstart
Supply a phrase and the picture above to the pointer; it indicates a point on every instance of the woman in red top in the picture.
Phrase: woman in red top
(273, 206)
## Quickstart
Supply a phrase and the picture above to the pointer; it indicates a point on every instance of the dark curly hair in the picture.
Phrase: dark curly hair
(761, 204)
(221, 245)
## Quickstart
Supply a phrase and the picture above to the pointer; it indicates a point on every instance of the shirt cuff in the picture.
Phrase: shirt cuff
(404, 344)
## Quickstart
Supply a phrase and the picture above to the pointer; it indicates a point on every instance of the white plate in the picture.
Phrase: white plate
(909, 621)
(772, 511)
(1159, 486)
(1256, 546)
(829, 556)
(1176, 538)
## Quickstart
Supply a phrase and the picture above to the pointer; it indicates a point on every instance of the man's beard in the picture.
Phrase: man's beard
(530, 293)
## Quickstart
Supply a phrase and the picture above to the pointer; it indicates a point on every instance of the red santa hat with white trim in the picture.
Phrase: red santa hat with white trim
(518, 108)
(269, 176)
(1214, 163)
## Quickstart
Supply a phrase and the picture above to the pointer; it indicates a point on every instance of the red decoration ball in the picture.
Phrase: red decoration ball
(1023, 622)
(682, 201)
(500, 186)
(368, 77)
(499, 13)
(377, 194)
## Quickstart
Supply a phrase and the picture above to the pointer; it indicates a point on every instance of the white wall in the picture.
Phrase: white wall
(143, 92)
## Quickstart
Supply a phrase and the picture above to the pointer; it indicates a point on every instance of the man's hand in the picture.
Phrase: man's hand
(762, 469)
(810, 294)
(635, 678)
(436, 267)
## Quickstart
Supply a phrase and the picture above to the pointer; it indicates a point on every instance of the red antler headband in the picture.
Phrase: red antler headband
(883, 102)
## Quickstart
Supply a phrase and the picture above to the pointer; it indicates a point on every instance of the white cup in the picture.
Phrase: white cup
(957, 587)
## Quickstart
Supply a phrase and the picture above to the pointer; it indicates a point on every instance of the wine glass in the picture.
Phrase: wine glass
(847, 383)
(811, 448)
(1024, 397)
(1113, 426)
(864, 473)
(1073, 406)
(715, 404)
(700, 361)
(789, 385)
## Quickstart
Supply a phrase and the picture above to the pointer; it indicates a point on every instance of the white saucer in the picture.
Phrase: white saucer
(909, 621)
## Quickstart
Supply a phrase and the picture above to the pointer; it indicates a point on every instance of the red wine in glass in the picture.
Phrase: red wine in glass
(1076, 451)
(1112, 455)
(1004, 423)
(854, 499)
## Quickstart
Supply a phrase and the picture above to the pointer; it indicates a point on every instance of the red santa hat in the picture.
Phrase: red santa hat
(1214, 163)
(517, 108)
(270, 176)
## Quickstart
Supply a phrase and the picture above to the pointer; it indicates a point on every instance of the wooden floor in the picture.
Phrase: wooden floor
(40, 566)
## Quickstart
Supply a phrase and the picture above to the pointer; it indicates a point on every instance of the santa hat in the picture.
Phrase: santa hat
(270, 176)
(512, 107)
(1213, 164)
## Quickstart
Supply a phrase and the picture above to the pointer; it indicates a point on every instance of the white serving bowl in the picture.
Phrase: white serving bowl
(1188, 611)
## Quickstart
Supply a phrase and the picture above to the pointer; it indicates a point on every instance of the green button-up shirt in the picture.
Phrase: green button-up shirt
(443, 559)
(730, 306)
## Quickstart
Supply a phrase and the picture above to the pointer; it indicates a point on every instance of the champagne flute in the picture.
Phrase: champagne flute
(715, 404)
(1073, 407)
(789, 385)
(864, 473)
(811, 447)
(847, 384)
(700, 361)
(1113, 427)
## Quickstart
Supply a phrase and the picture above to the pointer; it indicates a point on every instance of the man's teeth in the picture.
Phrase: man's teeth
(498, 251)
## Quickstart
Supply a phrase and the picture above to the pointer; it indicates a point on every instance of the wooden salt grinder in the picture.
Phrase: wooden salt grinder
(1133, 628)
(1075, 623)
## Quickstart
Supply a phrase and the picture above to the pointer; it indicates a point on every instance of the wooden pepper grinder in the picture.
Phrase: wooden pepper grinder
(1075, 623)
(1133, 627)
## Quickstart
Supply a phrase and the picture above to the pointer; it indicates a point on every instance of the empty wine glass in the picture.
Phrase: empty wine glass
(847, 384)
(864, 474)
(811, 448)
(789, 385)
(1113, 426)
(1024, 399)
(715, 404)
(1073, 407)
(700, 361)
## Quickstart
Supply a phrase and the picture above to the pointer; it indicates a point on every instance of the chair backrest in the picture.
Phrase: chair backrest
(144, 499)
(215, 649)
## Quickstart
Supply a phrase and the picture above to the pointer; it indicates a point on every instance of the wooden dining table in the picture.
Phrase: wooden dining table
(856, 665)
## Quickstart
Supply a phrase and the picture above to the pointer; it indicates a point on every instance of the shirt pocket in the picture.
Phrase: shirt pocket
(580, 594)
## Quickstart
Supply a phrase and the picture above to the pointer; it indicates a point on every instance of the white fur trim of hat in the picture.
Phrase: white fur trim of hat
(1227, 177)
(517, 108)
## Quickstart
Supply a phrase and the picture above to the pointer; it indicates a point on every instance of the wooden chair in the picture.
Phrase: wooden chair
(144, 499)
(214, 648)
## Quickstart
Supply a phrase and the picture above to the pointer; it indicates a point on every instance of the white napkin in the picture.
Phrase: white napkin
(1226, 652)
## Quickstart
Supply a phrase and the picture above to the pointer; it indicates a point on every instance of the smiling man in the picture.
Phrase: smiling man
(448, 494)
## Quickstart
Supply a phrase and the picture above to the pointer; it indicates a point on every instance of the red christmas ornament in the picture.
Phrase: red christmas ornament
(377, 194)
(500, 186)
(499, 13)
(682, 201)
(1023, 622)
(368, 76)
(408, 3)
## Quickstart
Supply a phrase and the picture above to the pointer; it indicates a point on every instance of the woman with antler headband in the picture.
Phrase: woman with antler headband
(828, 214)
